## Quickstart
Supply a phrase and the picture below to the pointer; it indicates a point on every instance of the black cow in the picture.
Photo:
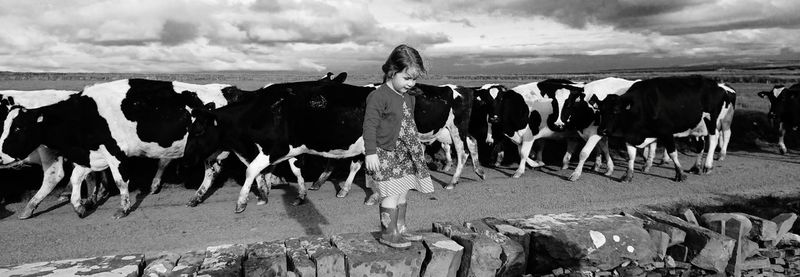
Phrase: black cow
(784, 110)
(279, 122)
(109, 122)
(547, 109)
(659, 108)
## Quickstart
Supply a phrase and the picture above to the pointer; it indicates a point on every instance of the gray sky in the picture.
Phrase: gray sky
(458, 36)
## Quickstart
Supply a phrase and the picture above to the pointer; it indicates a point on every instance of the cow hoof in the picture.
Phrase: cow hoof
(647, 168)
(782, 151)
(315, 186)
(695, 170)
(707, 170)
(447, 168)
(64, 197)
(565, 167)
(298, 201)
(497, 164)
(81, 211)
(194, 201)
(680, 177)
(262, 202)
(597, 168)
(372, 200)
(481, 174)
(120, 213)
(155, 190)
(342, 193)
(27, 212)
(609, 173)
(574, 176)
(517, 175)
(240, 208)
(627, 178)
(450, 186)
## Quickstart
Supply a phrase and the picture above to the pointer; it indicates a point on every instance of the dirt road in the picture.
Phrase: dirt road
(163, 222)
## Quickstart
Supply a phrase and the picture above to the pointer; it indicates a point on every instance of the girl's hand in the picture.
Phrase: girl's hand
(372, 162)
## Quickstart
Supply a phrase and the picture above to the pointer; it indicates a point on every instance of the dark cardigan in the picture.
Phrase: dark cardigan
(383, 117)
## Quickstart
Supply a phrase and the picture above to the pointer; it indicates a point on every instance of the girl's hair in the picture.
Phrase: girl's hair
(403, 57)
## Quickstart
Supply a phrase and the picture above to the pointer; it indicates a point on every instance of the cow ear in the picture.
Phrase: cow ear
(11, 100)
(340, 78)
(40, 119)
(762, 94)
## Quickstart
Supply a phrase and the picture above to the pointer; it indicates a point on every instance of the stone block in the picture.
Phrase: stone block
(298, 261)
(367, 257)
(513, 258)
(223, 260)
(736, 226)
(688, 215)
(481, 253)
(710, 250)
(443, 256)
(763, 229)
(161, 265)
(570, 240)
(189, 263)
(680, 253)
(119, 265)
(520, 236)
(756, 263)
(784, 223)
(328, 260)
(676, 235)
(266, 259)
(660, 241)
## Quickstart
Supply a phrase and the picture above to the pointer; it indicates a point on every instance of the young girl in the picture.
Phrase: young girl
(394, 155)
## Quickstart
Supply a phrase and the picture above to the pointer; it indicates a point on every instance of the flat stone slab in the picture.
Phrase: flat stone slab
(586, 240)
(328, 260)
(368, 257)
(298, 261)
(266, 259)
(119, 265)
(223, 260)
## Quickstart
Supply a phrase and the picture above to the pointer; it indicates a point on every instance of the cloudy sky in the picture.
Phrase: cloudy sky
(454, 36)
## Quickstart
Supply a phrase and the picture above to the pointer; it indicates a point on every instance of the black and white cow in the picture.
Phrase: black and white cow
(784, 111)
(49, 160)
(108, 122)
(279, 122)
(547, 109)
(659, 108)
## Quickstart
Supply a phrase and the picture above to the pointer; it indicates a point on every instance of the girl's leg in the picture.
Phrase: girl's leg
(402, 207)
(388, 218)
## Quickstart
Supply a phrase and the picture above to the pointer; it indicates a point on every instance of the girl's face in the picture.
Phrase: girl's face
(404, 80)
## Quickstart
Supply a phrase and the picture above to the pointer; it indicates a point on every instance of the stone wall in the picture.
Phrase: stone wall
(635, 243)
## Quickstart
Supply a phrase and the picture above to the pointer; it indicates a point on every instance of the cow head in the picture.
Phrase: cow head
(784, 103)
(611, 110)
(204, 136)
(484, 97)
(510, 112)
(22, 133)
(567, 104)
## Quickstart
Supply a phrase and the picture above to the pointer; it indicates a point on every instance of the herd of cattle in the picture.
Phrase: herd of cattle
(107, 124)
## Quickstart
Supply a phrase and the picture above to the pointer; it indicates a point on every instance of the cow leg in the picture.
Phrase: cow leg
(607, 154)
(524, 151)
(461, 156)
(499, 149)
(447, 157)
(571, 144)
(669, 144)
(781, 143)
(76, 179)
(591, 142)
(711, 140)
(155, 187)
(262, 189)
(53, 171)
(649, 154)
(323, 177)
(98, 179)
(355, 165)
(375, 197)
(301, 183)
(472, 145)
(212, 169)
(253, 170)
(724, 139)
(628, 177)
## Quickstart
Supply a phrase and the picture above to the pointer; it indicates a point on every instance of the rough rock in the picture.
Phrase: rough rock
(710, 250)
(298, 261)
(120, 265)
(328, 260)
(161, 265)
(784, 223)
(266, 259)
(189, 263)
(763, 229)
(367, 257)
(444, 256)
(223, 260)
(513, 258)
(585, 240)
(735, 226)
(481, 253)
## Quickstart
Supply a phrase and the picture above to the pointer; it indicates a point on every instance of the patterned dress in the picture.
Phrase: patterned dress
(404, 168)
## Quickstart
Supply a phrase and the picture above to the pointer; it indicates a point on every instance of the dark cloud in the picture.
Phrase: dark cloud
(464, 22)
(122, 42)
(175, 33)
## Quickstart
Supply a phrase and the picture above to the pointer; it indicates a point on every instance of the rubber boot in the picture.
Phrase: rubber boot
(389, 234)
(401, 224)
